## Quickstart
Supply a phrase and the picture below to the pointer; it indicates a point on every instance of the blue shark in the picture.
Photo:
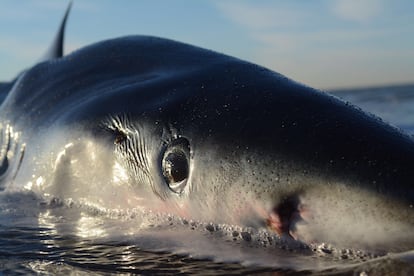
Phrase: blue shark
(142, 121)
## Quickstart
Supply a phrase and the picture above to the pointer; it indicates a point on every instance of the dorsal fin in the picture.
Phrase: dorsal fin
(56, 49)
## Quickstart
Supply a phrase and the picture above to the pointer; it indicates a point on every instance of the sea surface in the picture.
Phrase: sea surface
(70, 238)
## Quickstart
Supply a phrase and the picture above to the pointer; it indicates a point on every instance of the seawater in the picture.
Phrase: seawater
(393, 104)
(38, 236)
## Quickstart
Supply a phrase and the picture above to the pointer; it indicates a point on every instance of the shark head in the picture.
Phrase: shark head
(148, 122)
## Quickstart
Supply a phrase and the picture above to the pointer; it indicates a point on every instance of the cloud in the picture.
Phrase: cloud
(19, 49)
(310, 41)
(21, 53)
(31, 11)
(337, 38)
(357, 10)
(73, 46)
(346, 67)
(256, 16)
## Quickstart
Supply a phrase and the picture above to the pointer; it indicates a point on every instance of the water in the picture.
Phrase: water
(394, 104)
(49, 236)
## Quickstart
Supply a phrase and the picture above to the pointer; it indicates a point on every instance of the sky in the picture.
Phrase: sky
(326, 44)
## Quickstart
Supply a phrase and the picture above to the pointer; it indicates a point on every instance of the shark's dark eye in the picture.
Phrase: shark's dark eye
(176, 165)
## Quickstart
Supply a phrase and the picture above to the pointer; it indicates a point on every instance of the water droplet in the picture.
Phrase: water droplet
(210, 228)
(246, 236)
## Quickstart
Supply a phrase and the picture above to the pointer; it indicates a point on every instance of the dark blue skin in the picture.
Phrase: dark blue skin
(180, 83)
(240, 108)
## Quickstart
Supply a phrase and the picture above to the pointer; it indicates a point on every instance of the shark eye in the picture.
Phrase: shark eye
(175, 165)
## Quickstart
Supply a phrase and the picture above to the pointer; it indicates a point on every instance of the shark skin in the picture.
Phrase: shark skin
(204, 135)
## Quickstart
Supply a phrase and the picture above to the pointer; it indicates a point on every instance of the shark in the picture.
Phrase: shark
(148, 122)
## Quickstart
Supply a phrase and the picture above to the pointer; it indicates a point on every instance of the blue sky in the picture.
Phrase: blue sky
(322, 43)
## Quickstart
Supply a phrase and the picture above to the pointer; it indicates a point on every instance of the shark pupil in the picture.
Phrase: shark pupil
(175, 167)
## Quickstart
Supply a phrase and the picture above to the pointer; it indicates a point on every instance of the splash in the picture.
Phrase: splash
(78, 189)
